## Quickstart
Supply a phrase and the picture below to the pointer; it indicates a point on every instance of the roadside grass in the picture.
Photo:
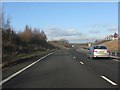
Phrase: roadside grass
(112, 45)
(10, 59)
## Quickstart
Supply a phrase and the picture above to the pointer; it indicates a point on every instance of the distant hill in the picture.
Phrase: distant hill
(101, 42)
(59, 44)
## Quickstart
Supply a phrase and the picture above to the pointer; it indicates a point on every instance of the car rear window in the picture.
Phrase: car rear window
(100, 47)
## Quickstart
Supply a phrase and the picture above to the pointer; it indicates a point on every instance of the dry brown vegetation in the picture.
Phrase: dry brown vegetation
(27, 41)
(112, 45)
(60, 44)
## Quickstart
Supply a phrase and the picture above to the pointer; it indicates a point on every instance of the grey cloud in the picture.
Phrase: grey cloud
(57, 32)
(113, 29)
(94, 31)
(71, 34)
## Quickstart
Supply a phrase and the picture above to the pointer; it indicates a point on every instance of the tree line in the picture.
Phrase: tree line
(26, 41)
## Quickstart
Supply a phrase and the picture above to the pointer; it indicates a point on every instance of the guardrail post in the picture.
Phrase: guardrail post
(115, 53)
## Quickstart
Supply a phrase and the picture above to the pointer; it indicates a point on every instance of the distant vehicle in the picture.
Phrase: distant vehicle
(72, 46)
(98, 51)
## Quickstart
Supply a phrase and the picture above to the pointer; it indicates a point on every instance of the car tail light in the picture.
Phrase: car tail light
(108, 51)
(94, 51)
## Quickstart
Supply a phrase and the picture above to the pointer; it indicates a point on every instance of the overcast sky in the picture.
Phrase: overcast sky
(65, 20)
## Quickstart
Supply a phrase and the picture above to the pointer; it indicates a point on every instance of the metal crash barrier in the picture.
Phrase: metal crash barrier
(115, 55)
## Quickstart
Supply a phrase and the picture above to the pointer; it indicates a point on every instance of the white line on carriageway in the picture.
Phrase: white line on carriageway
(116, 60)
(81, 62)
(108, 80)
(15, 74)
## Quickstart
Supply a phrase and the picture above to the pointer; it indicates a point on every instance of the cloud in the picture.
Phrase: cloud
(72, 39)
(72, 31)
(60, 32)
(113, 28)
(94, 31)
(107, 27)
(55, 33)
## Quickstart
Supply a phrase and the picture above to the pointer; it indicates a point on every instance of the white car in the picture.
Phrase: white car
(98, 51)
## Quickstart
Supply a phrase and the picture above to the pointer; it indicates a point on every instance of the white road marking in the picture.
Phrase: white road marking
(73, 57)
(15, 74)
(78, 50)
(108, 80)
(81, 62)
(116, 60)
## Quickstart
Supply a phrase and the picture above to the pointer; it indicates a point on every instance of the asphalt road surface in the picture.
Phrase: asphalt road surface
(67, 69)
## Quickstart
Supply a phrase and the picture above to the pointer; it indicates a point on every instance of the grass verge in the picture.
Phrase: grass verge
(12, 60)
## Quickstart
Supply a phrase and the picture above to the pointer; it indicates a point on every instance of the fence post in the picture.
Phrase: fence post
(115, 53)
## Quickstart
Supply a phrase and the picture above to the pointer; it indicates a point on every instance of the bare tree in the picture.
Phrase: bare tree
(1, 17)
(26, 35)
(44, 35)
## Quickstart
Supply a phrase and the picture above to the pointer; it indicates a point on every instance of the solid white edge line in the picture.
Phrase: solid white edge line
(15, 74)
(81, 62)
(108, 80)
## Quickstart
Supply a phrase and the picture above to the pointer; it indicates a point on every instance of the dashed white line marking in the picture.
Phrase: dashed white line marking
(111, 82)
(15, 74)
(73, 57)
(81, 62)
(116, 60)
(78, 50)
